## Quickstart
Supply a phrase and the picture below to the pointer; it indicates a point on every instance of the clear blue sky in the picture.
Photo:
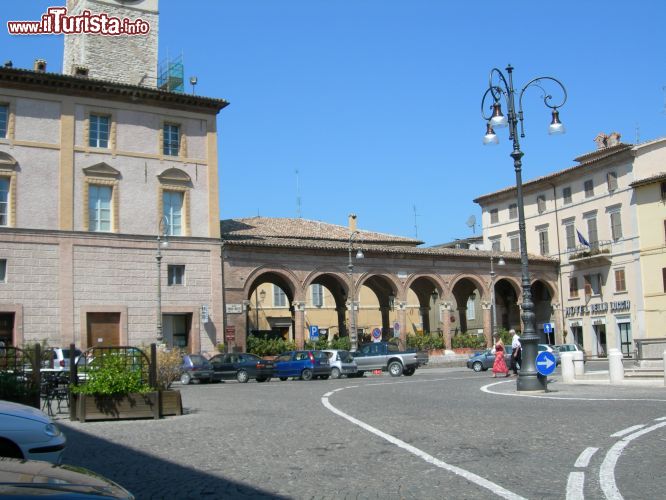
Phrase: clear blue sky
(377, 102)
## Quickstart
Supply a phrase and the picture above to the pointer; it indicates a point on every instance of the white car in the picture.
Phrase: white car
(28, 433)
(57, 359)
(342, 363)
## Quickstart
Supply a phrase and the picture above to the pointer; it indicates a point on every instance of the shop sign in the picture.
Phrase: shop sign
(600, 308)
(234, 308)
(620, 305)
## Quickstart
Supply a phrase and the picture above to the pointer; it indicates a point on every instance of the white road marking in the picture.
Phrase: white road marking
(607, 469)
(660, 419)
(628, 430)
(584, 458)
(470, 476)
(486, 389)
(575, 486)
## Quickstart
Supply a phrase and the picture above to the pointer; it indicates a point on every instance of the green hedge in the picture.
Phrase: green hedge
(268, 347)
(466, 340)
(425, 342)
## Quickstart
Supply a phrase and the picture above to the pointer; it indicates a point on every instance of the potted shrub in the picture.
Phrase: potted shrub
(112, 391)
(169, 363)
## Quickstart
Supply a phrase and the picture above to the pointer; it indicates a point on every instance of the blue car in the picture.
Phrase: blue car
(305, 365)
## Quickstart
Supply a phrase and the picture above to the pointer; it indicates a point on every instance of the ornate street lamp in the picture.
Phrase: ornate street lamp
(493, 275)
(162, 243)
(500, 88)
(352, 293)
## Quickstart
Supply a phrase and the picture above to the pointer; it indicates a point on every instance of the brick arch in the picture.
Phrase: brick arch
(384, 274)
(294, 291)
(442, 289)
(477, 280)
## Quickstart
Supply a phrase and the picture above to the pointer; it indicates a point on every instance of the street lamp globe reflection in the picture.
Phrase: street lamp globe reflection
(500, 88)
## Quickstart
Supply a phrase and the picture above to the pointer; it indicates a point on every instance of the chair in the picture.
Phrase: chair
(54, 387)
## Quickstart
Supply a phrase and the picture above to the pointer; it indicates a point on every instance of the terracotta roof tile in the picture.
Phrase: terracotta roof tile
(268, 232)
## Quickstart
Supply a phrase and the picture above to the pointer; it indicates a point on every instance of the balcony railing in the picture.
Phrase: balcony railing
(598, 253)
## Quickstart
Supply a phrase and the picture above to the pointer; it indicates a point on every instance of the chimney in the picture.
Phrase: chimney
(40, 65)
(352, 222)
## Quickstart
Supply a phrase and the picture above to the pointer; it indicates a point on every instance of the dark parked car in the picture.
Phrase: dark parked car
(196, 367)
(41, 480)
(241, 366)
(485, 359)
(305, 365)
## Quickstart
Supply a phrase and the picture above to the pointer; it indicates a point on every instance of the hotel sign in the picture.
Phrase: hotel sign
(600, 308)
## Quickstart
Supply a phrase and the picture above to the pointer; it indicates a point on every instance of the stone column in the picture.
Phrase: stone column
(299, 323)
(487, 323)
(445, 311)
(386, 323)
(402, 319)
(425, 318)
(342, 321)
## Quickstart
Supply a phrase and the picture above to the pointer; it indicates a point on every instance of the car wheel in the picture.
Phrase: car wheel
(477, 366)
(306, 374)
(242, 376)
(283, 378)
(185, 378)
(335, 372)
(9, 449)
(408, 372)
(395, 368)
(359, 374)
(324, 377)
(261, 379)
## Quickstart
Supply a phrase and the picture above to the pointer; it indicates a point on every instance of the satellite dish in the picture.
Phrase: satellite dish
(471, 222)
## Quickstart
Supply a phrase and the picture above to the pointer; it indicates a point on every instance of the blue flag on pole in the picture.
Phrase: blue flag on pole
(582, 239)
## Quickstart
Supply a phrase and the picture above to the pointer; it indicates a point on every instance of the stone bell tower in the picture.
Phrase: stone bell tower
(126, 58)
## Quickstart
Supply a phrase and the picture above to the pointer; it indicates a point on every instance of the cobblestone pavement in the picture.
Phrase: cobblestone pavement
(278, 440)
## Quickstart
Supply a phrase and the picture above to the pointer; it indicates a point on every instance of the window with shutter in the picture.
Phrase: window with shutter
(616, 225)
(573, 287)
(566, 195)
(611, 179)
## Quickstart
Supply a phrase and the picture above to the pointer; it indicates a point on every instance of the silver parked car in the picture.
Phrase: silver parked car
(342, 363)
(28, 433)
(571, 348)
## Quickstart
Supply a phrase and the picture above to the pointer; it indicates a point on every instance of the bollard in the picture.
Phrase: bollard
(579, 365)
(615, 367)
(567, 365)
(664, 368)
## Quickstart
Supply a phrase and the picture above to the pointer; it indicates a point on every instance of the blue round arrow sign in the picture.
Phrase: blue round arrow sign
(545, 363)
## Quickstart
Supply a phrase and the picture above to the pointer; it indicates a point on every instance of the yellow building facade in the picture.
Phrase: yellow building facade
(650, 196)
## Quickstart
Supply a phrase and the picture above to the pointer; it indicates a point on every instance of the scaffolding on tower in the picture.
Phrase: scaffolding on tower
(171, 75)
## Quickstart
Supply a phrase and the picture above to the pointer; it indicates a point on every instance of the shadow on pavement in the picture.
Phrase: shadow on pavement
(147, 476)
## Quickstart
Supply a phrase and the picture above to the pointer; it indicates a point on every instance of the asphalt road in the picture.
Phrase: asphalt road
(443, 433)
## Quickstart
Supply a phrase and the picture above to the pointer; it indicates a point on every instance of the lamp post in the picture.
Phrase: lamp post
(493, 275)
(162, 242)
(499, 87)
(352, 292)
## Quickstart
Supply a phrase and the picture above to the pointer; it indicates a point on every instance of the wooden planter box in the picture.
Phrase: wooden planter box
(170, 403)
(129, 406)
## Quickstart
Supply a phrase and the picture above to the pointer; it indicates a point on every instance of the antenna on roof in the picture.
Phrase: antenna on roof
(638, 133)
(416, 226)
(298, 197)
(471, 222)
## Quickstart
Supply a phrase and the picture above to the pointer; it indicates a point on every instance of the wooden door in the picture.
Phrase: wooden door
(103, 329)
